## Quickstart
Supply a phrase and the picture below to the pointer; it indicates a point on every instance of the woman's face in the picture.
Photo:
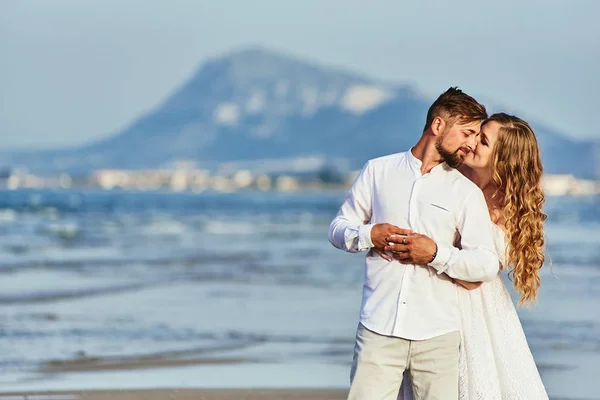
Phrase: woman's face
(480, 158)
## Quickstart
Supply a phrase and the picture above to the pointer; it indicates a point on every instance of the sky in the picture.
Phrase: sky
(76, 71)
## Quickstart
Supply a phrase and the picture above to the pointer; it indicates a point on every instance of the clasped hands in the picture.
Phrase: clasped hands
(405, 245)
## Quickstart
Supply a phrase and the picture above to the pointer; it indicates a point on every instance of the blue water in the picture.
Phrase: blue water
(249, 275)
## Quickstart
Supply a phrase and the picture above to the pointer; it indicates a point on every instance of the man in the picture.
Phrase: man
(409, 209)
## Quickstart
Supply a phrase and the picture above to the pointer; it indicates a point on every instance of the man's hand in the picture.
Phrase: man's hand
(412, 249)
(380, 235)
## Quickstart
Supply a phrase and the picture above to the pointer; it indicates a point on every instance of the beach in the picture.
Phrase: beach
(184, 394)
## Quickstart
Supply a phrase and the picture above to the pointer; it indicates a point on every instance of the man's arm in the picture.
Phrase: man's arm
(476, 261)
(350, 230)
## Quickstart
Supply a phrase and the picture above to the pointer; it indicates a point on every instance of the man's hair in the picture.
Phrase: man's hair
(455, 106)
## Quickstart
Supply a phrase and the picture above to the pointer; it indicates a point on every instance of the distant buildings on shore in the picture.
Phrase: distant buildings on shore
(179, 180)
(194, 180)
(198, 180)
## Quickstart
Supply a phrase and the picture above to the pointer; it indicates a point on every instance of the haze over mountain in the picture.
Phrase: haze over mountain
(268, 111)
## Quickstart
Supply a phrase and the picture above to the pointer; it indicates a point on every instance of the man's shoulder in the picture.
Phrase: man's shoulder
(461, 182)
(388, 159)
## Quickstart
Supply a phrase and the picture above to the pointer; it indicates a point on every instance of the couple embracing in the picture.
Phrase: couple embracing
(439, 222)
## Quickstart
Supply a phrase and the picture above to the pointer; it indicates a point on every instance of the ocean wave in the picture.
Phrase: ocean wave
(64, 230)
(259, 227)
(165, 227)
(60, 294)
(8, 215)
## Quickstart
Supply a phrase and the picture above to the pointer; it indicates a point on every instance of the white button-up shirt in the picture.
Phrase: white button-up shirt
(416, 302)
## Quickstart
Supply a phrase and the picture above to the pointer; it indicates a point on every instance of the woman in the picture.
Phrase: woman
(495, 360)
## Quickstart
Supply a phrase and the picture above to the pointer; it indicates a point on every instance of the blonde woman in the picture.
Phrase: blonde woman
(495, 359)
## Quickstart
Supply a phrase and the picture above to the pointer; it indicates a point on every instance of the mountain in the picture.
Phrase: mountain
(261, 109)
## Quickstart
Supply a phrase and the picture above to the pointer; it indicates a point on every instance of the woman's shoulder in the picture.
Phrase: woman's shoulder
(498, 218)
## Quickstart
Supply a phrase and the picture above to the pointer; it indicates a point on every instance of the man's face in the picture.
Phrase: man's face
(457, 141)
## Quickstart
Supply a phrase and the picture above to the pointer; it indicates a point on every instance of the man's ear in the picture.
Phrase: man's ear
(437, 126)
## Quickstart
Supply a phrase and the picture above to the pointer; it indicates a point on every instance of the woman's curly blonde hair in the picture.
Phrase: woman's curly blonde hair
(517, 171)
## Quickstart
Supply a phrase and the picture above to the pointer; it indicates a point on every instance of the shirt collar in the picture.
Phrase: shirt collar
(415, 163)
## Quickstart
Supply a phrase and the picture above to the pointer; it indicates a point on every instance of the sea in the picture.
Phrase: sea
(118, 289)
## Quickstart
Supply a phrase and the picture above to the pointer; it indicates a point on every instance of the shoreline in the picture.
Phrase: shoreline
(173, 376)
(182, 394)
(192, 394)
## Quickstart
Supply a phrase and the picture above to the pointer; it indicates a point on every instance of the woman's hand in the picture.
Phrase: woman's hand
(468, 285)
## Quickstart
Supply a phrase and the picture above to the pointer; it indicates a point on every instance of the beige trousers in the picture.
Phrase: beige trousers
(380, 361)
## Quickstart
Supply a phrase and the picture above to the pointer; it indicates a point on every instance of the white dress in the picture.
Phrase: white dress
(495, 360)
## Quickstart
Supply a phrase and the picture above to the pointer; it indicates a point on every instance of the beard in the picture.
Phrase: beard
(453, 159)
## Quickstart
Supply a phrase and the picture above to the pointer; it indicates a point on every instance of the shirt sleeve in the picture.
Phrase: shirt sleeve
(350, 230)
(477, 260)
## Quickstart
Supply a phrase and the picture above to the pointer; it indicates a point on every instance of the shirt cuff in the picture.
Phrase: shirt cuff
(364, 237)
(441, 262)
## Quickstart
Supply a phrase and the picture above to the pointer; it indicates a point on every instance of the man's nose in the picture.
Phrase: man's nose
(472, 143)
